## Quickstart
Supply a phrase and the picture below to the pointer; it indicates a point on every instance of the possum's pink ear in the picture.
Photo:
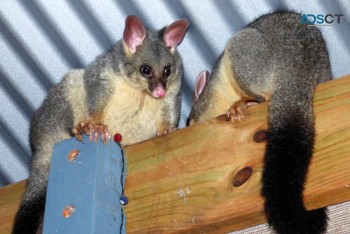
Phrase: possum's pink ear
(134, 33)
(175, 33)
(201, 81)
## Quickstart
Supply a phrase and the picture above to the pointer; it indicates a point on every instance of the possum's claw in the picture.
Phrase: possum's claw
(92, 130)
(83, 128)
(236, 113)
(103, 131)
(160, 133)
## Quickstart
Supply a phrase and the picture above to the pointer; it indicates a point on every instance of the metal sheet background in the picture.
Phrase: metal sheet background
(41, 40)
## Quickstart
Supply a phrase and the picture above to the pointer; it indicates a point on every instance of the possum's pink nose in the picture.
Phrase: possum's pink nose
(159, 91)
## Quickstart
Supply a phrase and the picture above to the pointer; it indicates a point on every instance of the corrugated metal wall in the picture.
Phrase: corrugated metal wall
(41, 40)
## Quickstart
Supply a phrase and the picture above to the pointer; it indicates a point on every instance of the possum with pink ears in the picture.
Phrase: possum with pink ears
(132, 89)
(276, 59)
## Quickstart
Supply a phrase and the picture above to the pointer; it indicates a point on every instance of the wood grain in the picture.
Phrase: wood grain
(10, 197)
(183, 182)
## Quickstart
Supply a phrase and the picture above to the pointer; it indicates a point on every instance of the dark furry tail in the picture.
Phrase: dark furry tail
(288, 154)
(30, 214)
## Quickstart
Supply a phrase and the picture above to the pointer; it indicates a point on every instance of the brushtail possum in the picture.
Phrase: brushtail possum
(275, 59)
(133, 89)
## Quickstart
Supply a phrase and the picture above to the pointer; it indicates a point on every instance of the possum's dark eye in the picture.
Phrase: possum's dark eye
(166, 72)
(146, 71)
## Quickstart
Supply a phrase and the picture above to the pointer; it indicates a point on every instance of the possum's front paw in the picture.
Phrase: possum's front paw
(92, 130)
(235, 113)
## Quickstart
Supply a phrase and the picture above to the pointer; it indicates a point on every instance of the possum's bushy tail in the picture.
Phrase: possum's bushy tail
(29, 216)
(288, 155)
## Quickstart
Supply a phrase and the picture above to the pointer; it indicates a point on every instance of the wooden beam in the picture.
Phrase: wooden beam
(183, 182)
(10, 197)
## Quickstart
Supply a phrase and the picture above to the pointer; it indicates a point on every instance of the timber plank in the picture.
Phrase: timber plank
(182, 182)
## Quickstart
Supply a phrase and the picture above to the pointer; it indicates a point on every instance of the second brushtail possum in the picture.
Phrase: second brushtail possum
(275, 59)
(133, 89)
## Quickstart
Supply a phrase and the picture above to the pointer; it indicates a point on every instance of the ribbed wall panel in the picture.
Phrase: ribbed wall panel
(41, 40)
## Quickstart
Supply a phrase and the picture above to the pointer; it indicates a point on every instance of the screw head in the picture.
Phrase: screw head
(124, 200)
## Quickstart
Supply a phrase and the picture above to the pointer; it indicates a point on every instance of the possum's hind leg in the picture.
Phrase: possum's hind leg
(254, 64)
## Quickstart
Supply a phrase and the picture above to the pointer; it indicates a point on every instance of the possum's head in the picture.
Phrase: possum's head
(151, 60)
(199, 105)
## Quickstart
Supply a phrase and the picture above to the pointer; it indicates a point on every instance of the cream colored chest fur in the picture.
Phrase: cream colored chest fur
(131, 113)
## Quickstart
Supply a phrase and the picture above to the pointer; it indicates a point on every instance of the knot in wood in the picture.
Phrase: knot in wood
(260, 136)
(242, 176)
(224, 118)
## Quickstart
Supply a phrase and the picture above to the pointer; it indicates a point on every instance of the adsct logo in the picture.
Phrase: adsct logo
(320, 19)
